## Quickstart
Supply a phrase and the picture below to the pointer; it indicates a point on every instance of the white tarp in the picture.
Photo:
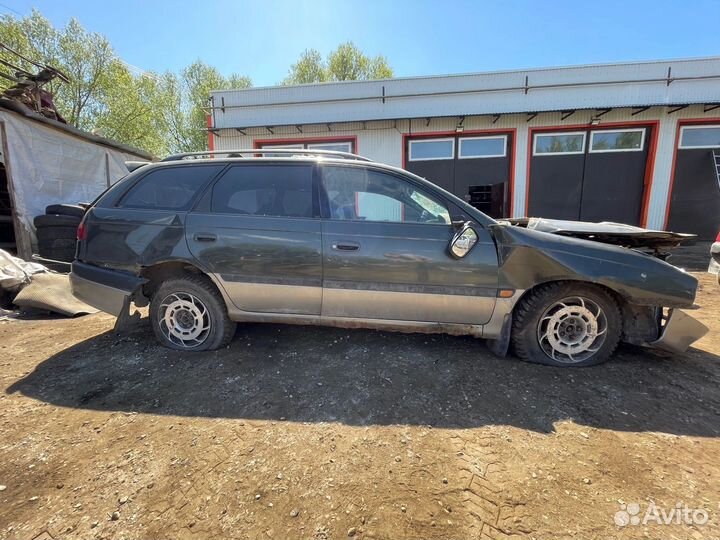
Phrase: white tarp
(47, 166)
(14, 271)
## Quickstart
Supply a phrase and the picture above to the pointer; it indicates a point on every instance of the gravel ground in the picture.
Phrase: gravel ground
(319, 433)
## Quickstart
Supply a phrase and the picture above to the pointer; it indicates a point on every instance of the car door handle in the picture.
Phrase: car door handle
(346, 246)
(205, 237)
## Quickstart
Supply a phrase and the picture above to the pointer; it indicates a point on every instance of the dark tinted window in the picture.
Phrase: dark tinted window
(277, 190)
(169, 188)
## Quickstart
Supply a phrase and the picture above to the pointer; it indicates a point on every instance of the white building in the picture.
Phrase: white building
(636, 143)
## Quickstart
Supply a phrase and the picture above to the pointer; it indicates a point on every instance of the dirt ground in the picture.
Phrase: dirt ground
(316, 433)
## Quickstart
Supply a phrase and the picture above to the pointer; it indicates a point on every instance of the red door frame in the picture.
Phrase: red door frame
(352, 139)
(676, 149)
(498, 131)
(649, 166)
(211, 137)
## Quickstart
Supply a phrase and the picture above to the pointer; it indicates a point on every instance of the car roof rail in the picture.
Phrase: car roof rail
(135, 165)
(250, 153)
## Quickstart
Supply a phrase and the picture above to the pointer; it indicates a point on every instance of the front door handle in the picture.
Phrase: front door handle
(346, 246)
(205, 237)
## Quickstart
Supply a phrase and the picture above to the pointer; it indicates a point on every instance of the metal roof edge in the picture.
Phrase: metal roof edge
(471, 74)
(18, 108)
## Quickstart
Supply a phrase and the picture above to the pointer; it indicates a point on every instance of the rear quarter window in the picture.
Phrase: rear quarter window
(169, 188)
(262, 190)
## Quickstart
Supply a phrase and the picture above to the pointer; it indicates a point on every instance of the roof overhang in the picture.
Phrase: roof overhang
(673, 83)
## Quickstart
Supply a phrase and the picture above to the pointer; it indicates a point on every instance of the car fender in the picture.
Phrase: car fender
(528, 258)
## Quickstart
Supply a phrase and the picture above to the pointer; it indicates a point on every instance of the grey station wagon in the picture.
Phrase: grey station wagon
(319, 237)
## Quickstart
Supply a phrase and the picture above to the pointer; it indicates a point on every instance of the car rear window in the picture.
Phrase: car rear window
(256, 190)
(171, 188)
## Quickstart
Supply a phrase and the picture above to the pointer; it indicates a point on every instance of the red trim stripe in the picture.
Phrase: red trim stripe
(211, 137)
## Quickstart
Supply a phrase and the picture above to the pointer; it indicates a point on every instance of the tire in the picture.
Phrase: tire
(56, 220)
(59, 268)
(187, 297)
(67, 255)
(49, 234)
(56, 243)
(65, 210)
(545, 332)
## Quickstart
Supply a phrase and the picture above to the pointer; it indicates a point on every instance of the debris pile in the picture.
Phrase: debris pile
(31, 286)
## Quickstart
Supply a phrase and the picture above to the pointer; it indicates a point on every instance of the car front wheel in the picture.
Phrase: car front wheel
(567, 325)
(189, 314)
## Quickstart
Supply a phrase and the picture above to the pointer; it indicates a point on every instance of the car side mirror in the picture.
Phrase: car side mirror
(463, 241)
(458, 222)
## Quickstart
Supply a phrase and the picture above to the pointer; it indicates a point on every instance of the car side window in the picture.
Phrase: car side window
(357, 193)
(168, 188)
(262, 190)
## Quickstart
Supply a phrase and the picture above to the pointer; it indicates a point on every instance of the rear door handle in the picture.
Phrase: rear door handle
(346, 246)
(205, 237)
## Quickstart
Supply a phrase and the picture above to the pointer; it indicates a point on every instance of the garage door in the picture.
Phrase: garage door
(589, 175)
(473, 167)
(695, 198)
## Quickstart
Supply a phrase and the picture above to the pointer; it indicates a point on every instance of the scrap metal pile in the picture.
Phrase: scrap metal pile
(28, 87)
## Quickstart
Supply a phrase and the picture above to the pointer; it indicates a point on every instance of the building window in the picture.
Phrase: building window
(281, 147)
(482, 147)
(700, 137)
(548, 144)
(429, 149)
(334, 146)
(620, 140)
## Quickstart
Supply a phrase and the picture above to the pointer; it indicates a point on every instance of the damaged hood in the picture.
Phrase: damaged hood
(606, 232)
(528, 257)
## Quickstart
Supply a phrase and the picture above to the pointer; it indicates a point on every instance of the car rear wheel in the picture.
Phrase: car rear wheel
(567, 325)
(189, 314)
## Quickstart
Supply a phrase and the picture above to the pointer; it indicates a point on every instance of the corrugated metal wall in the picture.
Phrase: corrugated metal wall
(383, 140)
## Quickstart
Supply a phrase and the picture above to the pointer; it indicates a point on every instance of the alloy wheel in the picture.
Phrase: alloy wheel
(572, 329)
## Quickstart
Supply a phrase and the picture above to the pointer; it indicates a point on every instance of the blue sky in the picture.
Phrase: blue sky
(262, 39)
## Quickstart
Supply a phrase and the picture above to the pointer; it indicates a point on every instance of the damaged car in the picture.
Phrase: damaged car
(209, 240)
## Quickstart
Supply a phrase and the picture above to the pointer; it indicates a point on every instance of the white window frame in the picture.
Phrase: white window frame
(442, 139)
(281, 146)
(608, 150)
(462, 139)
(347, 144)
(703, 126)
(555, 133)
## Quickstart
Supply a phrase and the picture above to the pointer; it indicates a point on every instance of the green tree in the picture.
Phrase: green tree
(131, 110)
(188, 99)
(159, 113)
(310, 68)
(346, 63)
(84, 57)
